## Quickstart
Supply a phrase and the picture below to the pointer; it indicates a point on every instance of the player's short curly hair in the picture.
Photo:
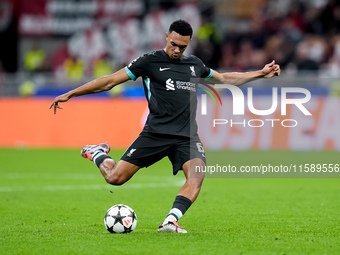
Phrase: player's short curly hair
(181, 27)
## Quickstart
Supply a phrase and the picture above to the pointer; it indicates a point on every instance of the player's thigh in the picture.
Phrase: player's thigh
(194, 170)
(125, 170)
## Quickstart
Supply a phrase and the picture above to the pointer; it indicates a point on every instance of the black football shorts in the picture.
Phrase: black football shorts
(149, 148)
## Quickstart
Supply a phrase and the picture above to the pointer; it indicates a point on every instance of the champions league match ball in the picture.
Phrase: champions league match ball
(120, 219)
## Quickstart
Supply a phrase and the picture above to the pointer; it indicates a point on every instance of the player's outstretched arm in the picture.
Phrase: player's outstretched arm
(268, 71)
(101, 84)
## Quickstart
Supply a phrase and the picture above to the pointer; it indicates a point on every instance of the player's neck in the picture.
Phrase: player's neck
(166, 52)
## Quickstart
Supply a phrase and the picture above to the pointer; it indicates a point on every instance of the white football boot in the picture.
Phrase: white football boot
(89, 150)
(171, 226)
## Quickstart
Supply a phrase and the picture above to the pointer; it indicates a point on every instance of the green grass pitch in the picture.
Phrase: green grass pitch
(52, 201)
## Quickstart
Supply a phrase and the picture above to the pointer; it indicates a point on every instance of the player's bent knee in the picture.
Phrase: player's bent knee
(116, 180)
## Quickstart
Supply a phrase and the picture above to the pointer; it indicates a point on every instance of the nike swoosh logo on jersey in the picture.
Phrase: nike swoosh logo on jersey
(163, 69)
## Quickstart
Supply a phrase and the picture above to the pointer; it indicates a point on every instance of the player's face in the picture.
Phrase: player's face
(176, 44)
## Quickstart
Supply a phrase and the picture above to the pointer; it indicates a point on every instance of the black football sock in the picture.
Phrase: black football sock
(179, 207)
(99, 157)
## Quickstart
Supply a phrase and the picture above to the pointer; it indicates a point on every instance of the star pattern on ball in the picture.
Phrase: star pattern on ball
(118, 218)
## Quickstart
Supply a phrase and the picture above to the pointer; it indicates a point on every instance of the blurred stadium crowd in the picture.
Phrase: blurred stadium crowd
(64, 43)
(299, 35)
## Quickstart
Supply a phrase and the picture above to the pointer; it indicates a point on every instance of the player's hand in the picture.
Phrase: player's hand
(271, 69)
(59, 99)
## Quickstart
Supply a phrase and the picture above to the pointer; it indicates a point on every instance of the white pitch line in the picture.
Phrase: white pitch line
(91, 187)
(50, 176)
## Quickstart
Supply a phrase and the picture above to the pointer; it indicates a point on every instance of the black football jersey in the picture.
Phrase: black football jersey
(170, 90)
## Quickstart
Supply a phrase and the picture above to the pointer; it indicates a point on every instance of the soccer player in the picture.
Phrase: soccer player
(170, 129)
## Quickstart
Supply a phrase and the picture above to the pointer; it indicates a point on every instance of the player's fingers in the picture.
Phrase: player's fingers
(56, 106)
(51, 105)
(271, 64)
(277, 69)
